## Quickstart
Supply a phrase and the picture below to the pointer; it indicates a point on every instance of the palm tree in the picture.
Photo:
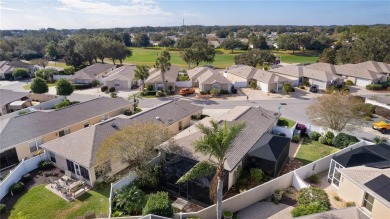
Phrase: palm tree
(379, 140)
(135, 97)
(215, 143)
(163, 63)
(141, 73)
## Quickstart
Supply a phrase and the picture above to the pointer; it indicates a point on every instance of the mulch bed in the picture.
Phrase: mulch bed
(291, 165)
(37, 177)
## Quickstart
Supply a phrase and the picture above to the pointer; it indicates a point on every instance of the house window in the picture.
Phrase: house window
(117, 83)
(70, 165)
(86, 124)
(84, 173)
(52, 157)
(34, 146)
(64, 132)
(368, 201)
(180, 125)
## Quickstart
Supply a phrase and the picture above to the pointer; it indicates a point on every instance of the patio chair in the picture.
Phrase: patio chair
(67, 176)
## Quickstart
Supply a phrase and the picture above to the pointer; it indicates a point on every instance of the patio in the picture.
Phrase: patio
(67, 187)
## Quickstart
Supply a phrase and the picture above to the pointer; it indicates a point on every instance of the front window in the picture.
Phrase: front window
(117, 83)
(86, 124)
(368, 201)
(70, 165)
(64, 132)
(34, 146)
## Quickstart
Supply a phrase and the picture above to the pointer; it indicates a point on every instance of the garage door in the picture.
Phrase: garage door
(238, 84)
(263, 86)
(321, 84)
(362, 82)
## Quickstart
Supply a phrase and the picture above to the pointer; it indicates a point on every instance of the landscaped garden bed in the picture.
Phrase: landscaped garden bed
(286, 122)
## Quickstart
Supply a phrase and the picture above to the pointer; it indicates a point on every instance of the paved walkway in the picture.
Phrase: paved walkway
(261, 210)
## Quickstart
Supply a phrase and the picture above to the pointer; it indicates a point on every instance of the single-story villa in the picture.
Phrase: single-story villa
(378, 67)
(255, 147)
(91, 73)
(292, 72)
(76, 152)
(212, 78)
(22, 136)
(121, 78)
(155, 78)
(6, 68)
(240, 75)
(12, 101)
(268, 81)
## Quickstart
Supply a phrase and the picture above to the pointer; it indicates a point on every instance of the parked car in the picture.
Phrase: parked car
(382, 126)
(186, 91)
(314, 88)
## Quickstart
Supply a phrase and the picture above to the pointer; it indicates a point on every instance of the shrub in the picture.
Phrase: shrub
(3, 208)
(170, 88)
(214, 91)
(104, 88)
(370, 107)
(227, 214)
(329, 137)
(160, 93)
(295, 138)
(374, 87)
(130, 199)
(312, 208)
(306, 83)
(314, 136)
(62, 104)
(337, 198)
(367, 118)
(113, 95)
(128, 113)
(202, 93)
(349, 83)
(256, 175)
(111, 89)
(282, 122)
(302, 87)
(343, 140)
(44, 164)
(288, 88)
(314, 179)
(183, 77)
(150, 87)
(311, 195)
(349, 204)
(16, 188)
(158, 204)
(233, 90)
(253, 85)
(224, 92)
(95, 83)
(322, 140)
(381, 111)
(69, 70)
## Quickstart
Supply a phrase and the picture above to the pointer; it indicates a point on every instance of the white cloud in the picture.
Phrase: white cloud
(134, 8)
(9, 9)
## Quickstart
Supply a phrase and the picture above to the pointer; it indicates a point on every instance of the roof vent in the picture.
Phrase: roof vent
(158, 118)
(114, 125)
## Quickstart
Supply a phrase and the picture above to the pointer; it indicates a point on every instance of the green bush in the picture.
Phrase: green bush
(158, 204)
(113, 95)
(322, 140)
(150, 87)
(349, 204)
(343, 140)
(3, 208)
(16, 188)
(130, 200)
(160, 93)
(62, 104)
(288, 88)
(314, 135)
(111, 89)
(381, 111)
(128, 113)
(314, 179)
(306, 83)
(282, 122)
(329, 137)
(183, 77)
(227, 214)
(224, 92)
(349, 83)
(214, 91)
(44, 164)
(256, 175)
(253, 85)
(104, 88)
(82, 86)
(311, 200)
(69, 70)
(370, 107)
(375, 87)
(95, 83)
(295, 138)
(312, 208)
(170, 88)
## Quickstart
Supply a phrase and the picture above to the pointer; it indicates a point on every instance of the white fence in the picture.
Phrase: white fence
(289, 132)
(117, 186)
(58, 77)
(376, 103)
(16, 174)
(183, 83)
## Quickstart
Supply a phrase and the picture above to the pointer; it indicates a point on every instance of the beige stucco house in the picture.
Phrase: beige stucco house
(368, 187)
(93, 72)
(212, 78)
(11, 101)
(120, 78)
(76, 152)
(155, 78)
(22, 136)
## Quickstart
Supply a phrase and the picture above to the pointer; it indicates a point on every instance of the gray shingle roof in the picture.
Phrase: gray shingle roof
(8, 96)
(356, 72)
(374, 66)
(290, 70)
(318, 75)
(269, 77)
(212, 76)
(361, 175)
(196, 72)
(320, 66)
(93, 136)
(170, 75)
(92, 71)
(125, 72)
(243, 71)
(257, 121)
(33, 125)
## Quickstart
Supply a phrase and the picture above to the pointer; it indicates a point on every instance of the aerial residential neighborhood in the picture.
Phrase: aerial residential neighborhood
(194, 109)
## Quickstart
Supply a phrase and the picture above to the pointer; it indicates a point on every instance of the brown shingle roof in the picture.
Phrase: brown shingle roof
(7, 96)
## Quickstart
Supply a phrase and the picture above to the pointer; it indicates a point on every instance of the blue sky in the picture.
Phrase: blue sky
(36, 14)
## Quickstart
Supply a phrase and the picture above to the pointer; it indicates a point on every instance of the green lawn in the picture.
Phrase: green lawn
(282, 121)
(57, 64)
(297, 57)
(313, 150)
(39, 203)
(28, 86)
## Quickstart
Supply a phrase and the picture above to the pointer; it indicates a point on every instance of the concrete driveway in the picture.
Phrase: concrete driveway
(261, 210)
